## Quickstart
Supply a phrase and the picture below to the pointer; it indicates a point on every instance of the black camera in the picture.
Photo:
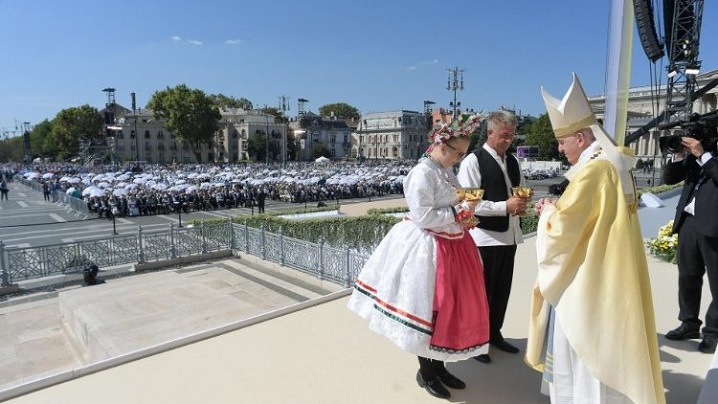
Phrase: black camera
(700, 127)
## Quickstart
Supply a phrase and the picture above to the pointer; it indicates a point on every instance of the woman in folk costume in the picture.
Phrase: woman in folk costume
(592, 330)
(423, 286)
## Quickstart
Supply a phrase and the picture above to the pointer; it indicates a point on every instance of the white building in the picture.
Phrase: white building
(400, 134)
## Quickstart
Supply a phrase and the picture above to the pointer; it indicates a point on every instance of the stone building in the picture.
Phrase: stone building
(311, 130)
(155, 144)
(399, 134)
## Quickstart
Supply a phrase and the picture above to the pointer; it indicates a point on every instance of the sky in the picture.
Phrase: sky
(376, 55)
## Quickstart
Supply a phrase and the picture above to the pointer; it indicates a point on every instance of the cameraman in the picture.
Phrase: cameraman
(696, 223)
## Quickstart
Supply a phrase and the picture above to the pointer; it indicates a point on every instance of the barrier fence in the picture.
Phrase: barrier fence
(338, 265)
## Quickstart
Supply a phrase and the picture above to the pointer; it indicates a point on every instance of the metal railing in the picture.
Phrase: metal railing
(78, 205)
(338, 265)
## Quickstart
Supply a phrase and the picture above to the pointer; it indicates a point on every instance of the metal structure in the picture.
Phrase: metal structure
(683, 62)
(682, 41)
(455, 82)
(284, 107)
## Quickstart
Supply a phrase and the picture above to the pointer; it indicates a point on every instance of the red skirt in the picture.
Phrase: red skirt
(461, 309)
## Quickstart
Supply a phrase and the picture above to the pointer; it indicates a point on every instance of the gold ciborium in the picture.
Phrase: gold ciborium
(470, 194)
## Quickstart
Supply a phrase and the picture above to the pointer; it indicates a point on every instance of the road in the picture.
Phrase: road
(26, 220)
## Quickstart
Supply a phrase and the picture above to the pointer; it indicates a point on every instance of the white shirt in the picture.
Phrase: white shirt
(691, 206)
(470, 177)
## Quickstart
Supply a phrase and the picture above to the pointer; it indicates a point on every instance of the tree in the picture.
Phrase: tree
(11, 149)
(221, 100)
(292, 147)
(541, 135)
(340, 110)
(189, 113)
(72, 124)
(42, 140)
(257, 147)
(319, 150)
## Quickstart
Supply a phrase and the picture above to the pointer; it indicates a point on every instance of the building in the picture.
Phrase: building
(142, 137)
(311, 131)
(400, 134)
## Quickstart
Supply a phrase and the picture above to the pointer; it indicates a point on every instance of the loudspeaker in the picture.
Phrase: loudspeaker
(647, 29)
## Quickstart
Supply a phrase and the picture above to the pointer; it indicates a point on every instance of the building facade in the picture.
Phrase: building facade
(394, 135)
(139, 136)
(311, 130)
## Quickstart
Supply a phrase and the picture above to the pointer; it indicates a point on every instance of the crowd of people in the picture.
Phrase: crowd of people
(156, 189)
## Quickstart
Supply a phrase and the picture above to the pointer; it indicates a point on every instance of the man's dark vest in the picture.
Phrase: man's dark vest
(494, 186)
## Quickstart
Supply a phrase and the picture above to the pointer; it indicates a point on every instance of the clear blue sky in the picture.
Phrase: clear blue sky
(375, 55)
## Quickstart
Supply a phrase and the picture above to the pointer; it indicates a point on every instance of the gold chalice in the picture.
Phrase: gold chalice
(470, 194)
(523, 192)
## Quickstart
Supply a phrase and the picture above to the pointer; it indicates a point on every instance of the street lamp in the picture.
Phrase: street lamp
(137, 138)
(114, 211)
(178, 206)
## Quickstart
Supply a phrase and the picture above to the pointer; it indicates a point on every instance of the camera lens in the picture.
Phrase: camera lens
(673, 144)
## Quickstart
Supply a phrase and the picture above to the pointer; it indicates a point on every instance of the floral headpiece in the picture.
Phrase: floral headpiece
(463, 126)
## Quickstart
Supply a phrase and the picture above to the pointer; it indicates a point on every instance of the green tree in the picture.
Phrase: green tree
(257, 146)
(340, 110)
(11, 149)
(292, 147)
(541, 135)
(72, 124)
(319, 150)
(42, 140)
(221, 100)
(478, 138)
(189, 113)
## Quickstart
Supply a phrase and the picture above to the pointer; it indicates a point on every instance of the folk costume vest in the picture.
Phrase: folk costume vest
(494, 186)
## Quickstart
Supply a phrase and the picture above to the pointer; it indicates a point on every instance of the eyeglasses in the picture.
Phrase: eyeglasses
(458, 152)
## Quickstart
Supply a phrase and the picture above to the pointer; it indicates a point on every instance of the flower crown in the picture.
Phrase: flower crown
(464, 126)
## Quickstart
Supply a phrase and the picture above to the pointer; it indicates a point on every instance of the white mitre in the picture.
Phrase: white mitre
(573, 113)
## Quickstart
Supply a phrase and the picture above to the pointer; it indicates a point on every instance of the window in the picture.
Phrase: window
(332, 139)
(119, 134)
(160, 135)
(132, 134)
(147, 134)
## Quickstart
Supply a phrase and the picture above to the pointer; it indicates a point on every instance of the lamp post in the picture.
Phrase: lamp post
(455, 83)
(114, 211)
(137, 138)
(178, 206)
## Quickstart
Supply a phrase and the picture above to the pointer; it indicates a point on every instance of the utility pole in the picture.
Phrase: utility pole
(455, 82)
(266, 135)
(110, 121)
(284, 107)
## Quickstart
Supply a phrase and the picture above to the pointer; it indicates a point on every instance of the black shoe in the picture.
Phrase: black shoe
(504, 346)
(433, 386)
(684, 331)
(483, 358)
(708, 345)
(452, 381)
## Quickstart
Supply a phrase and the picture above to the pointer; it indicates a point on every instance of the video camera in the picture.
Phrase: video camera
(700, 127)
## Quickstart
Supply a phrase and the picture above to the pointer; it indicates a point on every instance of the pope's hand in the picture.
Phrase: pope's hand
(541, 203)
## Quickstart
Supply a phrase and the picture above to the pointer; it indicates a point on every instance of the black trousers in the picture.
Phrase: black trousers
(431, 368)
(697, 255)
(498, 276)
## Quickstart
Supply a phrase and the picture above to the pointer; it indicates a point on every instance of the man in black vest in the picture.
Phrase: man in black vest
(496, 172)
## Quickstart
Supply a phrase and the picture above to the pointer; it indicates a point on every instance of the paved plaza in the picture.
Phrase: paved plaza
(306, 347)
